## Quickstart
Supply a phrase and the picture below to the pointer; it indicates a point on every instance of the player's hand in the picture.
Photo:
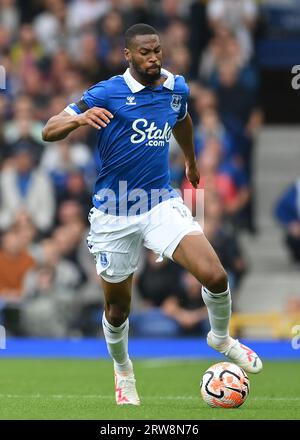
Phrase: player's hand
(96, 117)
(192, 174)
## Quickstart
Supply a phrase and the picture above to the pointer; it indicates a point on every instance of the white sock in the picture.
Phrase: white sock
(117, 344)
(219, 312)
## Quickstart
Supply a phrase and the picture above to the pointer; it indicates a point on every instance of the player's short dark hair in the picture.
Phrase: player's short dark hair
(138, 29)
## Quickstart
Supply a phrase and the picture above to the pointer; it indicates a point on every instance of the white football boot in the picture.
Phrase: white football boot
(238, 353)
(125, 389)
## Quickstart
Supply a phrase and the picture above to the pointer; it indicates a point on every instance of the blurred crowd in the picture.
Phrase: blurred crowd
(53, 50)
(287, 213)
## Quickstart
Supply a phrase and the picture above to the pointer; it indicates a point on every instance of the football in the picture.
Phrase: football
(225, 385)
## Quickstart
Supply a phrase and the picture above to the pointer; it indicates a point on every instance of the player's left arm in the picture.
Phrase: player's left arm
(183, 133)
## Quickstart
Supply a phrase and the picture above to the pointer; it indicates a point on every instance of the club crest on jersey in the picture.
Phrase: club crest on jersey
(103, 259)
(130, 100)
(176, 102)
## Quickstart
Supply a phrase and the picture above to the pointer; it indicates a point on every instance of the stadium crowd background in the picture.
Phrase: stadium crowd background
(52, 51)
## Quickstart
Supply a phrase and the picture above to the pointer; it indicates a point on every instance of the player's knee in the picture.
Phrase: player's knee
(217, 281)
(116, 314)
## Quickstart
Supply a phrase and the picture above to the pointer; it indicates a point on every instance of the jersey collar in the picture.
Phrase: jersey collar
(135, 86)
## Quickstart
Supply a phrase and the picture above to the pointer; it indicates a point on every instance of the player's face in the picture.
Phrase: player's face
(145, 57)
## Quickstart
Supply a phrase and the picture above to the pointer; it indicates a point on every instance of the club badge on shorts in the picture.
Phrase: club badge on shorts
(103, 259)
(176, 102)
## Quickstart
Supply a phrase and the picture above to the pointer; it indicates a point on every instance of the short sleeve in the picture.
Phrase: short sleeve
(184, 104)
(93, 97)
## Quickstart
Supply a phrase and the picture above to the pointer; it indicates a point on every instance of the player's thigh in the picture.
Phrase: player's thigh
(166, 225)
(115, 244)
(196, 254)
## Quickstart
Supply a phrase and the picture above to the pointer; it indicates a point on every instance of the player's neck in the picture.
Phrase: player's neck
(142, 80)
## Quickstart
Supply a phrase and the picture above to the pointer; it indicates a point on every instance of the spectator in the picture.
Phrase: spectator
(224, 177)
(167, 11)
(60, 64)
(138, 12)
(156, 283)
(205, 99)
(69, 212)
(221, 49)
(48, 309)
(172, 300)
(199, 34)
(50, 26)
(179, 61)
(4, 111)
(239, 110)
(91, 67)
(210, 127)
(27, 231)
(68, 240)
(111, 33)
(63, 159)
(188, 309)
(24, 122)
(115, 60)
(83, 14)
(72, 84)
(176, 34)
(224, 239)
(23, 187)
(236, 100)
(46, 252)
(15, 262)
(239, 16)
(26, 142)
(26, 53)
(4, 147)
(35, 86)
(5, 38)
(9, 15)
(287, 212)
(76, 193)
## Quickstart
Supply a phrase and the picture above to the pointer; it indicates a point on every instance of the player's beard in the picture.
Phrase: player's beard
(147, 77)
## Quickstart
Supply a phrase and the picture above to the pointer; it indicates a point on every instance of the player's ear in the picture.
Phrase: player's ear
(127, 54)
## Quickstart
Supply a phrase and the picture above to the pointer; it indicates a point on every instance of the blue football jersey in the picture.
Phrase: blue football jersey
(134, 147)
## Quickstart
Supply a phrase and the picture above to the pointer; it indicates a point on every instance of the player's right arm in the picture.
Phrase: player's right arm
(58, 127)
(90, 110)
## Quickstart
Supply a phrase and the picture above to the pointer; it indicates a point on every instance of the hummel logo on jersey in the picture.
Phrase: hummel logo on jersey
(156, 137)
(130, 100)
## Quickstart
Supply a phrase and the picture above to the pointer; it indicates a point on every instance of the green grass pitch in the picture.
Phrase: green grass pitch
(169, 390)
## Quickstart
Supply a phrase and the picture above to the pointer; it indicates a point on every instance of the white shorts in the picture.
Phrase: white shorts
(116, 241)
